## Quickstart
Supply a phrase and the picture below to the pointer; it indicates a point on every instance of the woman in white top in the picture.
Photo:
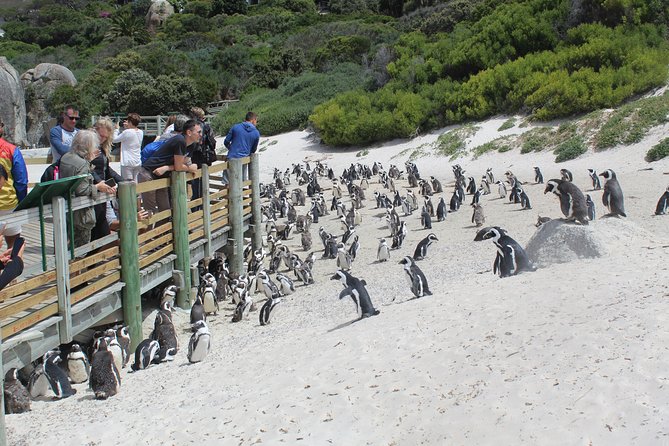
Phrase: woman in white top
(131, 146)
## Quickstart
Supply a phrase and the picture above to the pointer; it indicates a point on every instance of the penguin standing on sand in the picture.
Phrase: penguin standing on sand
(166, 335)
(383, 251)
(146, 354)
(286, 284)
(356, 290)
(123, 338)
(200, 343)
(425, 219)
(572, 201)
(269, 288)
(501, 189)
(613, 194)
(17, 399)
(524, 199)
(566, 175)
(78, 368)
(596, 184)
(38, 384)
(436, 185)
(197, 312)
(591, 207)
(477, 196)
(417, 280)
(662, 203)
(105, 380)
(267, 310)
(454, 205)
(58, 380)
(478, 217)
(306, 240)
(490, 175)
(421, 249)
(354, 248)
(208, 294)
(344, 259)
(441, 210)
(538, 176)
(511, 258)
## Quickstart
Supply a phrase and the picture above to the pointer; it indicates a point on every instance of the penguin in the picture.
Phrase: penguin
(538, 176)
(197, 312)
(485, 186)
(117, 352)
(344, 260)
(490, 175)
(105, 380)
(471, 187)
(477, 196)
(591, 207)
(306, 240)
(501, 188)
(146, 354)
(58, 380)
(417, 280)
(436, 185)
(572, 200)
(286, 284)
(511, 258)
(166, 336)
(78, 367)
(269, 288)
(208, 294)
(243, 308)
(383, 251)
(524, 200)
(455, 202)
(354, 248)
(425, 219)
(596, 184)
(541, 220)
(123, 338)
(613, 194)
(421, 248)
(350, 230)
(169, 295)
(200, 343)
(356, 290)
(478, 217)
(662, 203)
(566, 175)
(38, 384)
(17, 399)
(441, 210)
(266, 311)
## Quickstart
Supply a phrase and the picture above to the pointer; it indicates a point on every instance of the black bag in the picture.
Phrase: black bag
(51, 172)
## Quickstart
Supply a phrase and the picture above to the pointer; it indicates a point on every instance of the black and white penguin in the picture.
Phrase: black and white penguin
(350, 230)
(286, 284)
(146, 354)
(78, 367)
(267, 310)
(566, 175)
(244, 306)
(436, 185)
(355, 247)
(511, 258)
(425, 219)
(58, 380)
(208, 294)
(197, 312)
(501, 189)
(478, 217)
(572, 201)
(169, 295)
(417, 280)
(383, 251)
(524, 199)
(421, 249)
(105, 380)
(269, 288)
(455, 202)
(471, 186)
(38, 384)
(591, 207)
(356, 290)
(306, 240)
(596, 184)
(200, 343)
(17, 399)
(613, 194)
(490, 176)
(477, 196)
(165, 333)
(441, 210)
(538, 176)
(123, 338)
(662, 203)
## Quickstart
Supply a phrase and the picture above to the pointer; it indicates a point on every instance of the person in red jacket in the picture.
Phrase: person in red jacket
(14, 187)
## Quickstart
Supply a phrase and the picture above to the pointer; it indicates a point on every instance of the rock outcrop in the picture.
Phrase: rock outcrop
(39, 83)
(12, 105)
(159, 11)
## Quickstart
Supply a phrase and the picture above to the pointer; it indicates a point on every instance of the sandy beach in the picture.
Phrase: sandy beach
(574, 353)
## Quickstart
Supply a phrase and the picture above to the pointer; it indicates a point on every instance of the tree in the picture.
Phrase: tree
(229, 7)
(123, 23)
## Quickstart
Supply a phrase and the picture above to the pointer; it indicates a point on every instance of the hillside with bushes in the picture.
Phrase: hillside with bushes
(358, 71)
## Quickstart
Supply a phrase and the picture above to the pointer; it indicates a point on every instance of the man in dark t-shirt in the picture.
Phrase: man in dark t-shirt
(170, 156)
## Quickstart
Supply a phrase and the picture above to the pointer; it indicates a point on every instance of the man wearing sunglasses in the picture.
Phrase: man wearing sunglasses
(61, 136)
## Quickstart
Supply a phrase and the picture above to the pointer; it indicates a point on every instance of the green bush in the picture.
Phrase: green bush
(658, 151)
(535, 140)
(453, 143)
(508, 124)
(570, 149)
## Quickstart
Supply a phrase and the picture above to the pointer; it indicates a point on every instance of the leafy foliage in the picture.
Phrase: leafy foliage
(570, 149)
(658, 151)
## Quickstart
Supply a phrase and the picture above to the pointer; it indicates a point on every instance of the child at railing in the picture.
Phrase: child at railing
(11, 263)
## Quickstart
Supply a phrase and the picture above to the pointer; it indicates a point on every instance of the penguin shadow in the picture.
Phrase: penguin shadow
(88, 396)
(396, 302)
(471, 227)
(343, 325)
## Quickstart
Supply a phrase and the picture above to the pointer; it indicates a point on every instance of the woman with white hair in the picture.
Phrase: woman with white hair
(78, 162)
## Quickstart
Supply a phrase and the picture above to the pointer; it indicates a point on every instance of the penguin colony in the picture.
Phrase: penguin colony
(277, 272)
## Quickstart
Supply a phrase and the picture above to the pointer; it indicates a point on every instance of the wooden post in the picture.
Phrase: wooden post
(159, 125)
(235, 210)
(132, 302)
(62, 269)
(180, 235)
(206, 211)
(256, 215)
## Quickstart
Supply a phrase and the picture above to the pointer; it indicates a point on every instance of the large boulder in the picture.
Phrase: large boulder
(39, 84)
(12, 105)
(159, 11)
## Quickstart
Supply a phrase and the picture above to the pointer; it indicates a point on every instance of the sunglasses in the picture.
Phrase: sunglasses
(73, 118)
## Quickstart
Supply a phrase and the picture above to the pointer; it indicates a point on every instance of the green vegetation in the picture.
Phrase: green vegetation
(453, 143)
(501, 145)
(362, 153)
(535, 140)
(658, 151)
(508, 124)
(570, 149)
(367, 71)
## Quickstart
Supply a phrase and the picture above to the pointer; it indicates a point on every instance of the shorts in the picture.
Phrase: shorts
(9, 230)
(129, 173)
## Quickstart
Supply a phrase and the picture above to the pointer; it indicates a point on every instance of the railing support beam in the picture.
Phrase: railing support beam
(132, 302)
(180, 235)
(206, 211)
(62, 269)
(235, 212)
(256, 215)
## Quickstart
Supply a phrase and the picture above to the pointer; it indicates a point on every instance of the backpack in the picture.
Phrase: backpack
(51, 173)
(205, 152)
(150, 149)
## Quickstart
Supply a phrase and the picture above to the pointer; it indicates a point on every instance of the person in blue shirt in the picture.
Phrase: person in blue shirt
(242, 139)
(61, 136)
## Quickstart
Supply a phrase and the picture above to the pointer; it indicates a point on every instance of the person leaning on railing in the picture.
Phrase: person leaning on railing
(15, 182)
(104, 177)
(11, 261)
(171, 156)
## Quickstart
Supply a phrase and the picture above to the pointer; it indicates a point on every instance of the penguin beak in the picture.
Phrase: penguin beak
(334, 277)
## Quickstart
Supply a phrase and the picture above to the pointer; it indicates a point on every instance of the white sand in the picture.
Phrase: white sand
(574, 353)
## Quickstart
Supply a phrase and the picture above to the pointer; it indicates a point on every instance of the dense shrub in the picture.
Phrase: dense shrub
(506, 125)
(570, 149)
(658, 151)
